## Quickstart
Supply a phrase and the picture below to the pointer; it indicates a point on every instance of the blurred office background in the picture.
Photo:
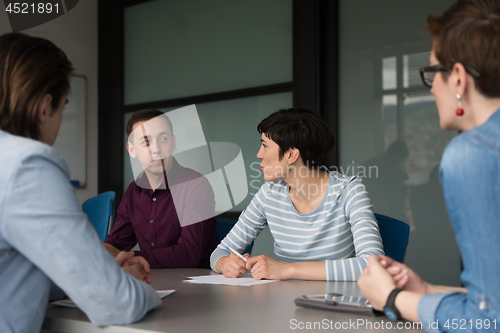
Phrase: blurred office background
(389, 119)
(355, 62)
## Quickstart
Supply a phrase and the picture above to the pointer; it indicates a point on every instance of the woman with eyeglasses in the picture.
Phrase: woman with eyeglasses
(464, 77)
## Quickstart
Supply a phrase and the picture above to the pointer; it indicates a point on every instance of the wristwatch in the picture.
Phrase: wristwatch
(390, 309)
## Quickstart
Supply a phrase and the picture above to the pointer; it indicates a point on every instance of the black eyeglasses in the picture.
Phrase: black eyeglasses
(427, 74)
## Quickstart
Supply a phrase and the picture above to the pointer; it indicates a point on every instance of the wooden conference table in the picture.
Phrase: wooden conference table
(219, 309)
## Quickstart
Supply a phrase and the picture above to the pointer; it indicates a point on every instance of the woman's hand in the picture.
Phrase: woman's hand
(404, 276)
(376, 283)
(263, 267)
(233, 266)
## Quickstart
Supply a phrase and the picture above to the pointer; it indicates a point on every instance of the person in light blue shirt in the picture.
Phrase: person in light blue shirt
(464, 75)
(45, 238)
(322, 222)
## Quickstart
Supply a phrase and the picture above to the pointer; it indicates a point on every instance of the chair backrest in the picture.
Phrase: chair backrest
(395, 235)
(223, 228)
(99, 210)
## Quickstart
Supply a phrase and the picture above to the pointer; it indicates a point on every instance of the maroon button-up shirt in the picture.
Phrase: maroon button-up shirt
(151, 219)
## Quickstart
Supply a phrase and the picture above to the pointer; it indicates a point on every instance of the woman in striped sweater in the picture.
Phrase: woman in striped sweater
(322, 222)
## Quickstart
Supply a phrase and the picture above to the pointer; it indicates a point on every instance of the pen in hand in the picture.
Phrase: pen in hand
(238, 254)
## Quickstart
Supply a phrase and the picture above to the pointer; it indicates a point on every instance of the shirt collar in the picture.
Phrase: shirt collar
(143, 183)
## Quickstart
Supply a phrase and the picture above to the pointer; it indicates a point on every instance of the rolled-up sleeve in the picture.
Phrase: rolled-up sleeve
(427, 307)
(456, 312)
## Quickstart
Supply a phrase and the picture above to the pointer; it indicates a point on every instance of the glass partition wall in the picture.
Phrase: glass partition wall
(355, 62)
(389, 127)
(178, 49)
(232, 59)
(233, 121)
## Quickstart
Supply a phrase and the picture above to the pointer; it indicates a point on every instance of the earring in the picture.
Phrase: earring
(459, 111)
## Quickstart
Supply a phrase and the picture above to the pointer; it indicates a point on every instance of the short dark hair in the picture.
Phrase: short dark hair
(30, 68)
(469, 33)
(301, 129)
(144, 115)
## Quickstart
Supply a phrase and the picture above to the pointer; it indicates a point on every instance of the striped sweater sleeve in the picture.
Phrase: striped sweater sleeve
(366, 236)
(250, 223)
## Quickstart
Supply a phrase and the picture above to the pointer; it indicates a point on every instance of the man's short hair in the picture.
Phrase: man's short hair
(301, 129)
(145, 115)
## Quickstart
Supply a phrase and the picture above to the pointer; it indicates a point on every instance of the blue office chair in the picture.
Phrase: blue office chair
(223, 228)
(395, 235)
(99, 210)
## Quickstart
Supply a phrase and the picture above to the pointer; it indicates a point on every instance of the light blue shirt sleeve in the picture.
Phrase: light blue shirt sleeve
(43, 220)
(250, 224)
(426, 311)
(365, 233)
(470, 178)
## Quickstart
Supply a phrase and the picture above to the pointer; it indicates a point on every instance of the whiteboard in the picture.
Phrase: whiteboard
(71, 140)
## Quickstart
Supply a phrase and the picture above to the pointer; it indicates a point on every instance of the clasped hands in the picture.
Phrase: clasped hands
(261, 267)
(383, 274)
(138, 267)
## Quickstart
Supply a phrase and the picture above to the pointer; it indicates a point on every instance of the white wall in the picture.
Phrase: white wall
(76, 34)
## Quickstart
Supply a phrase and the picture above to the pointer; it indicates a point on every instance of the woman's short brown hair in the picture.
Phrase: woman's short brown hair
(301, 129)
(469, 33)
(30, 68)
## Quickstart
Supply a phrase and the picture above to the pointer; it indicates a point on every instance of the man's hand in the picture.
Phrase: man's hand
(111, 249)
(123, 256)
(137, 272)
(138, 267)
(263, 267)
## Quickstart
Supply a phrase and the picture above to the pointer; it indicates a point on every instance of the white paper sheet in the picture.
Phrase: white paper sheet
(245, 280)
(165, 293)
(67, 303)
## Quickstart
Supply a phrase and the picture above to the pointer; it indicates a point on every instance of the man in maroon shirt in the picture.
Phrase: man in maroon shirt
(168, 209)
